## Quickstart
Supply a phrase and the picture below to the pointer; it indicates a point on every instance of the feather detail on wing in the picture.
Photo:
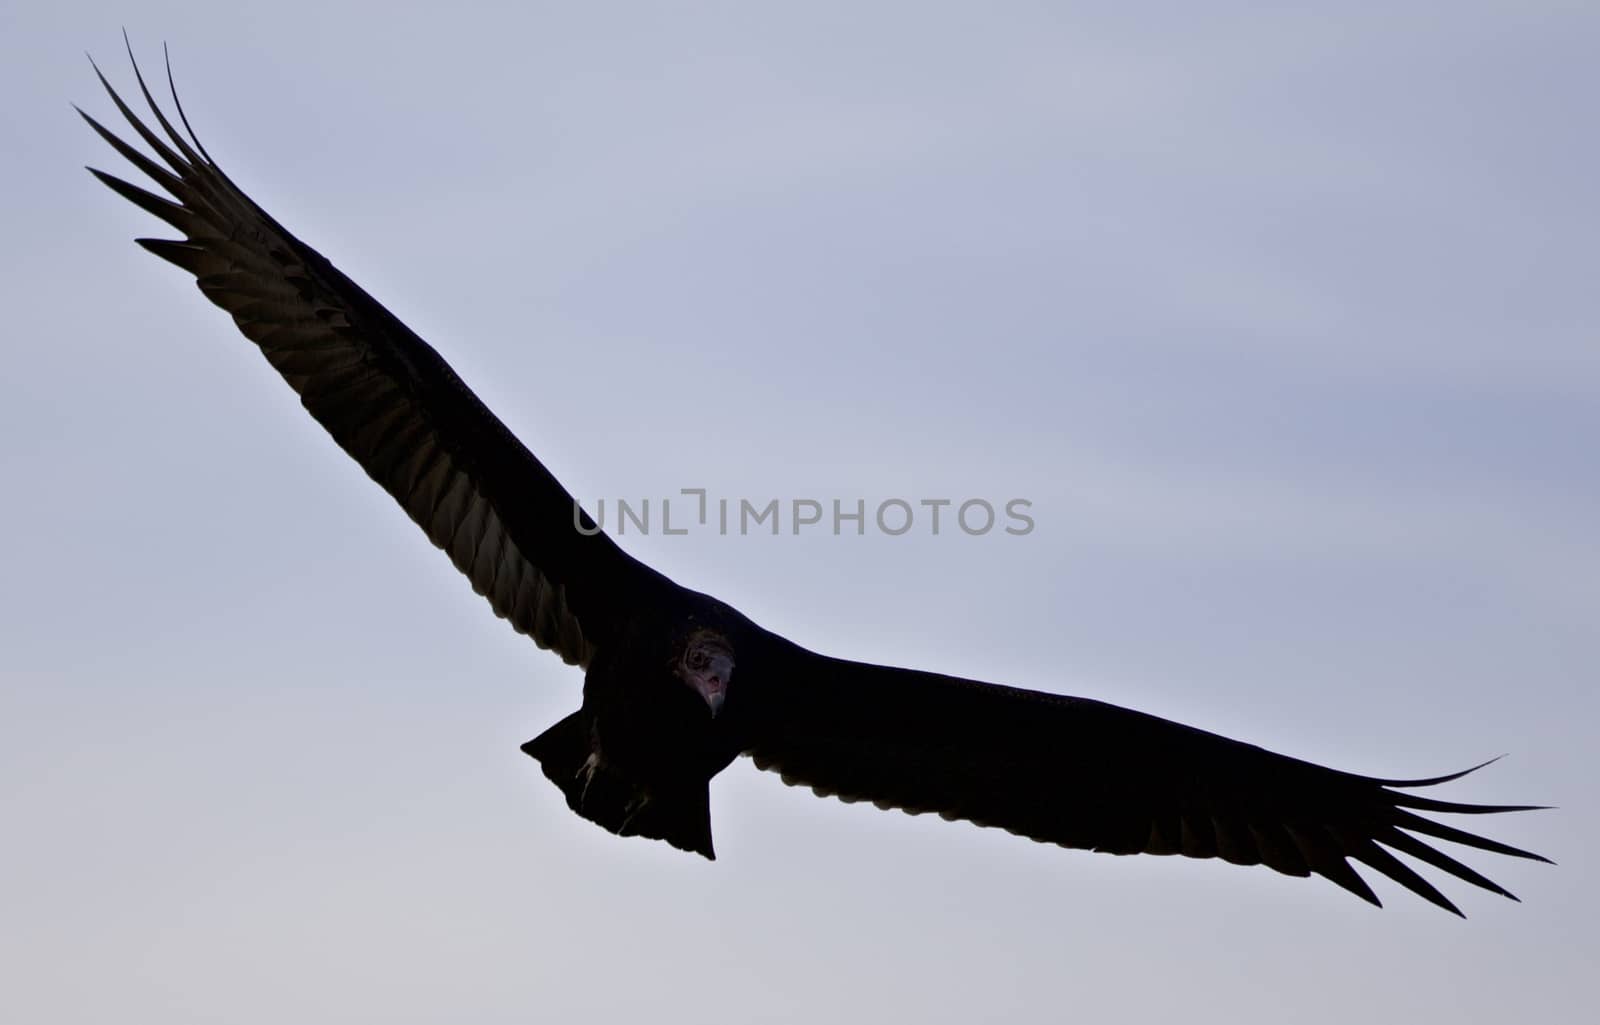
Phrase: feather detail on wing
(1086, 774)
(387, 398)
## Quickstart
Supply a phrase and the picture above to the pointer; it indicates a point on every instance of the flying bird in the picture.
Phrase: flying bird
(677, 684)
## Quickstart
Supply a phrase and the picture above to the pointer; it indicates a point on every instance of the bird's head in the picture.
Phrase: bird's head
(705, 665)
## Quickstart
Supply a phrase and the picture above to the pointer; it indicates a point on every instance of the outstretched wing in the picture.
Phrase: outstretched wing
(388, 399)
(1085, 774)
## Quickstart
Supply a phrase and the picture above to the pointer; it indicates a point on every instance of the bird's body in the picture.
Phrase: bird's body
(639, 756)
(678, 684)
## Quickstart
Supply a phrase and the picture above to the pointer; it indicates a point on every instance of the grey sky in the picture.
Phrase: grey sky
(1284, 320)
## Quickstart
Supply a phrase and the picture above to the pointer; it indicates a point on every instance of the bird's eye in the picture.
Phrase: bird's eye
(697, 660)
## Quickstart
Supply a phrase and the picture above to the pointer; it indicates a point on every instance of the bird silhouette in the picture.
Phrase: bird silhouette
(678, 684)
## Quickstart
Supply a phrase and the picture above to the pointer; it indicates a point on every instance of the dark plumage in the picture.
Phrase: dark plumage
(678, 684)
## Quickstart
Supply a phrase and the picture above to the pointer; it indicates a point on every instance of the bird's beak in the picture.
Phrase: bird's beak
(712, 685)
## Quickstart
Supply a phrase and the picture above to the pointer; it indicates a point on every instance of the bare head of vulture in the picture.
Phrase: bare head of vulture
(706, 666)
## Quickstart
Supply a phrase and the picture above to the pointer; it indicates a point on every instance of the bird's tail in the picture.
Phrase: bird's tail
(569, 756)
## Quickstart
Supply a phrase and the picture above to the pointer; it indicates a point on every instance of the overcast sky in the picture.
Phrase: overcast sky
(1284, 320)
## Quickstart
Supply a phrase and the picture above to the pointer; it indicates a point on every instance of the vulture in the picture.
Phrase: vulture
(677, 684)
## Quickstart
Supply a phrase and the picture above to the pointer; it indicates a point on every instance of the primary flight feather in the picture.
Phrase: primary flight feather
(678, 684)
